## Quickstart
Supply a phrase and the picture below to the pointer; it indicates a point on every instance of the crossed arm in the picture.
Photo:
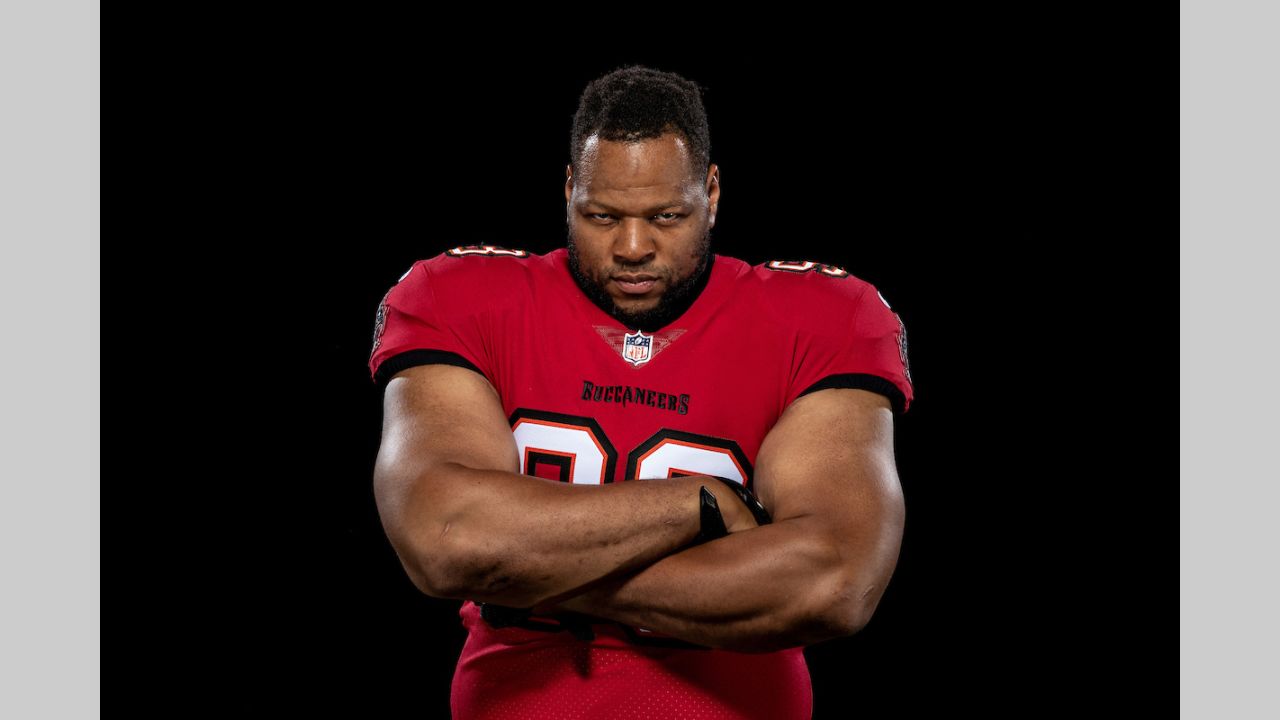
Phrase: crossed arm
(466, 525)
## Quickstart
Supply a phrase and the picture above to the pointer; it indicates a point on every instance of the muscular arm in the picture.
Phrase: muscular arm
(465, 524)
(826, 472)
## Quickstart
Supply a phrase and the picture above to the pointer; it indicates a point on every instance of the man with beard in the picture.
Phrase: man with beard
(652, 473)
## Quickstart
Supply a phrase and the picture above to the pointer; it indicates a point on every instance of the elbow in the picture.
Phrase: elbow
(433, 567)
(849, 611)
(444, 555)
(444, 564)
(853, 582)
(843, 606)
(438, 573)
(827, 614)
(449, 566)
(829, 623)
(845, 621)
(423, 582)
(433, 556)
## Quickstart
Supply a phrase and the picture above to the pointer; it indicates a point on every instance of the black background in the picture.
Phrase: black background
(937, 177)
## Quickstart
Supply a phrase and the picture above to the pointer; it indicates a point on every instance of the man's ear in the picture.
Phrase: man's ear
(713, 191)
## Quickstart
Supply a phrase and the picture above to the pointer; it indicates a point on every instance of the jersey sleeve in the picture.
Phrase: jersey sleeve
(864, 347)
(412, 327)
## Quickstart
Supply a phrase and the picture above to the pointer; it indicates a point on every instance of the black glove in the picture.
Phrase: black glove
(749, 499)
(500, 616)
(712, 521)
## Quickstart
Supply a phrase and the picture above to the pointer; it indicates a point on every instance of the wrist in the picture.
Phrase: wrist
(748, 499)
(711, 522)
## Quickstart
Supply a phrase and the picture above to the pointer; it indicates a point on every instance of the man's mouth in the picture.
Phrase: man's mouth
(635, 284)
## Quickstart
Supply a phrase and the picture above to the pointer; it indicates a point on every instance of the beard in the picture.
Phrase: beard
(679, 295)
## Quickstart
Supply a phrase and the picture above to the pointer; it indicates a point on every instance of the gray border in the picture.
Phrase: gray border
(1229, 202)
(50, 234)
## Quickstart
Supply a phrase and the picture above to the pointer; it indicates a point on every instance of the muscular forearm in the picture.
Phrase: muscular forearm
(519, 540)
(763, 589)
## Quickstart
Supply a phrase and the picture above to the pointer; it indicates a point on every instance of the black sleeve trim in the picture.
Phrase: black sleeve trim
(412, 358)
(862, 381)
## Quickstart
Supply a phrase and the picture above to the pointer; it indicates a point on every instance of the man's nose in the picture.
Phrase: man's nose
(633, 244)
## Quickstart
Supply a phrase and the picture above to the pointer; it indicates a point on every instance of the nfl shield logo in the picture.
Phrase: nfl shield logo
(637, 348)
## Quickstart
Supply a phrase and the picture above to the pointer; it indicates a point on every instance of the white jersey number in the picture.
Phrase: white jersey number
(575, 449)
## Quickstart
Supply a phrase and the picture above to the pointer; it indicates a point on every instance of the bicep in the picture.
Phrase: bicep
(444, 413)
(435, 416)
(829, 462)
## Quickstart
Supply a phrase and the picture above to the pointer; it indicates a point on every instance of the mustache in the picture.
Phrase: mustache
(664, 273)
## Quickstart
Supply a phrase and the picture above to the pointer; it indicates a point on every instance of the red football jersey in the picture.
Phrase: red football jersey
(589, 401)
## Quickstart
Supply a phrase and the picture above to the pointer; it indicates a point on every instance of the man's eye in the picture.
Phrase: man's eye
(606, 216)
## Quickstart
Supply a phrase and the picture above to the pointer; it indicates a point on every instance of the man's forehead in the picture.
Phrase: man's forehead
(664, 157)
(643, 206)
(669, 141)
(600, 192)
(633, 173)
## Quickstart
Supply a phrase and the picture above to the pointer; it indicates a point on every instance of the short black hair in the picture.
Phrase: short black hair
(636, 103)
